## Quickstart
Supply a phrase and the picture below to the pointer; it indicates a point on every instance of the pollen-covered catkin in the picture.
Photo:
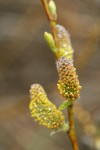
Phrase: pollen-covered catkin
(68, 82)
(43, 110)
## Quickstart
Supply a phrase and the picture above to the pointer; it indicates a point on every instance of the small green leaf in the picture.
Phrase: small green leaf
(65, 104)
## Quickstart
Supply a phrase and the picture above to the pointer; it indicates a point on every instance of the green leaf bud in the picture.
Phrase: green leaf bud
(52, 8)
(49, 39)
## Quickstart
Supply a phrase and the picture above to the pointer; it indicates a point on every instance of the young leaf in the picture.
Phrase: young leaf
(65, 104)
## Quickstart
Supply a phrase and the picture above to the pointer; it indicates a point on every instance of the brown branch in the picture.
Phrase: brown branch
(45, 5)
(71, 132)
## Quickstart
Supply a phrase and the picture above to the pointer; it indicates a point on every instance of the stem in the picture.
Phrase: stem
(52, 22)
(71, 132)
(45, 5)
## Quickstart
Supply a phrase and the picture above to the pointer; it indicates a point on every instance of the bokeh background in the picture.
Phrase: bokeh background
(25, 59)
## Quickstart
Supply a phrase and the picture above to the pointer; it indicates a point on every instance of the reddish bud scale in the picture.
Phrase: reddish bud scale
(68, 82)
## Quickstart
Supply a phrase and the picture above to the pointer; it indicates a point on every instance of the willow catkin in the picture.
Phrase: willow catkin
(43, 110)
(65, 49)
(68, 82)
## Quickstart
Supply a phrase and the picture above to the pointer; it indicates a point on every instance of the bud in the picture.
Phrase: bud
(68, 82)
(52, 8)
(49, 38)
(66, 49)
(43, 110)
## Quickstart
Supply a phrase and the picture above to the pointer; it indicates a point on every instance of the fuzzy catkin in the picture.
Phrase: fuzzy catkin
(68, 82)
(43, 110)
(65, 49)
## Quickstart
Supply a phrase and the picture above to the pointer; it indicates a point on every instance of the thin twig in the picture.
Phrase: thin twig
(71, 132)
(45, 5)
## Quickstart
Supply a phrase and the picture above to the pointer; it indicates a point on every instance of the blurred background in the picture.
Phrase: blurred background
(25, 59)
